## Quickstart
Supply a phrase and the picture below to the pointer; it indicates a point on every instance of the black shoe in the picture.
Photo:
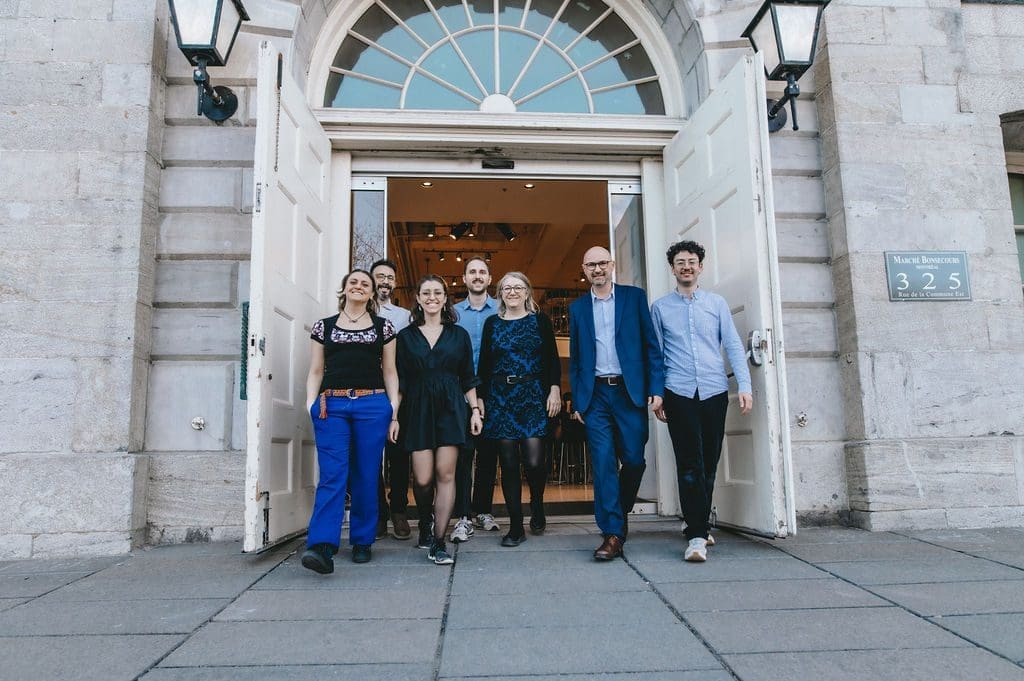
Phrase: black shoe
(361, 553)
(512, 539)
(382, 525)
(538, 521)
(319, 558)
(426, 538)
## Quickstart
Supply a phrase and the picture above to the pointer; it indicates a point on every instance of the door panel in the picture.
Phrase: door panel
(288, 289)
(718, 193)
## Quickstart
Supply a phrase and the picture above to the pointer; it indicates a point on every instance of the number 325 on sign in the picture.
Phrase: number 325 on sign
(927, 275)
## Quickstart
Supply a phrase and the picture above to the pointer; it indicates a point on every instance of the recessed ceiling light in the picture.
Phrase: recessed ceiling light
(529, 185)
(426, 184)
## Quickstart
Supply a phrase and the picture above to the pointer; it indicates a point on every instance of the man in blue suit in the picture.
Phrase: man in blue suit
(616, 371)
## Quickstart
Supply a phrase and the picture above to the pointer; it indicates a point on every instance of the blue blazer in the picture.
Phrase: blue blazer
(636, 344)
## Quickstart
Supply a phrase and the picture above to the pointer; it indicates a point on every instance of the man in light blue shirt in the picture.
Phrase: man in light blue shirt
(693, 326)
(474, 494)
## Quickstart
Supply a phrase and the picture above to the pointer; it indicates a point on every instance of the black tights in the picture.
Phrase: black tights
(530, 454)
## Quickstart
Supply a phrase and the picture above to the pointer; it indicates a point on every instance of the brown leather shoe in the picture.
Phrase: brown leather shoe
(401, 523)
(610, 549)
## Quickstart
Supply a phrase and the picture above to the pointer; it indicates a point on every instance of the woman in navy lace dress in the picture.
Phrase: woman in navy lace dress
(520, 377)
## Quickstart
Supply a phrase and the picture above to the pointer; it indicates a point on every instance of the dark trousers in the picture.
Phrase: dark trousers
(616, 434)
(398, 481)
(474, 491)
(697, 428)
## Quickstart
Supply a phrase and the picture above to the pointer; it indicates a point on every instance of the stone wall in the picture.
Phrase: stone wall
(81, 111)
(913, 160)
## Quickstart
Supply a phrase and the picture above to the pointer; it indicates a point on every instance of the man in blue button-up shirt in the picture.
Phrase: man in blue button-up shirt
(693, 325)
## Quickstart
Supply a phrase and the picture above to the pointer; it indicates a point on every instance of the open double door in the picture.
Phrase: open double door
(717, 191)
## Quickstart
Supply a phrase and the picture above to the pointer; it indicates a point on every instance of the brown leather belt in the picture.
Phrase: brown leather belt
(351, 393)
(609, 380)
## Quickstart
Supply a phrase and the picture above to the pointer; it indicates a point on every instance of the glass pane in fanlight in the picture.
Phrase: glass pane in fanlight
(569, 96)
(511, 12)
(478, 47)
(577, 17)
(228, 22)
(764, 38)
(195, 21)
(445, 63)
(424, 93)
(516, 48)
(796, 31)
(482, 12)
(417, 16)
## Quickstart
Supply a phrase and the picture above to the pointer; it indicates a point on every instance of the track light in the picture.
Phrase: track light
(487, 257)
(440, 256)
(431, 230)
(506, 231)
(460, 229)
(458, 257)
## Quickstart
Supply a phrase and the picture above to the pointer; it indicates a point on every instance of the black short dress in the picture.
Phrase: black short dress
(433, 382)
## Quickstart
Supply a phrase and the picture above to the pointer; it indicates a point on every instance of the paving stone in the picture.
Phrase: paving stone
(727, 570)
(994, 538)
(291, 575)
(613, 576)
(284, 643)
(702, 675)
(672, 549)
(336, 604)
(347, 672)
(961, 598)
(877, 665)
(1000, 633)
(1014, 558)
(8, 603)
(850, 551)
(768, 595)
(53, 616)
(839, 535)
(516, 559)
(83, 658)
(14, 586)
(560, 650)
(800, 630)
(485, 541)
(38, 566)
(508, 611)
(954, 568)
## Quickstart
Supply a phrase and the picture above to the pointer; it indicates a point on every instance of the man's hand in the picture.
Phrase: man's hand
(746, 402)
(656, 404)
(576, 416)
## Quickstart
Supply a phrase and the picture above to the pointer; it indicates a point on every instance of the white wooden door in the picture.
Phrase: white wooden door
(718, 190)
(288, 292)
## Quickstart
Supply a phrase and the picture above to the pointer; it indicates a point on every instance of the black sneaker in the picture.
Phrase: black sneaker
(361, 553)
(511, 539)
(319, 558)
(439, 554)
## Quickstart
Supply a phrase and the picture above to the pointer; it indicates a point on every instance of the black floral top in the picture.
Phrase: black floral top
(352, 359)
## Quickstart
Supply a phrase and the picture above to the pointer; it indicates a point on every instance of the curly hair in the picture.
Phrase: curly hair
(688, 246)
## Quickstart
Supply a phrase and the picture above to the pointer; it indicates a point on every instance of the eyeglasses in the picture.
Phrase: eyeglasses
(513, 289)
(600, 265)
(384, 277)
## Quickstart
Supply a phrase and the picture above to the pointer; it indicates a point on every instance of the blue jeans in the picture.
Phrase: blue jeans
(349, 445)
(616, 433)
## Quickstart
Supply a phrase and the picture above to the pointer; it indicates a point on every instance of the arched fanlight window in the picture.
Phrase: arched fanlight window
(564, 56)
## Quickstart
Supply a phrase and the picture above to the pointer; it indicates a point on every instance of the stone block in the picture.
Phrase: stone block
(248, 186)
(67, 493)
(813, 387)
(219, 235)
(961, 186)
(105, 42)
(851, 63)
(906, 26)
(856, 102)
(75, 220)
(276, 15)
(134, 10)
(102, 404)
(8, 9)
(854, 24)
(996, 93)
(878, 185)
(943, 65)
(1009, 20)
(37, 401)
(201, 188)
(956, 229)
(31, 175)
(127, 85)
(195, 490)
(987, 516)
(801, 197)
(929, 104)
(48, 83)
(63, 544)
(809, 330)
(182, 391)
(994, 54)
(241, 69)
(928, 474)
(802, 238)
(819, 477)
(192, 534)
(110, 175)
(196, 333)
(978, 19)
(194, 283)
(99, 128)
(795, 155)
(221, 146)
(806, 283)
(102, 329)
(905, 519)
(721, 61)
(15, 546)
(57, 9)
(26, 40)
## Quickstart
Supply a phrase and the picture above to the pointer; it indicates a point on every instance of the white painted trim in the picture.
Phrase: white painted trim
(637, 17)
(527, 169)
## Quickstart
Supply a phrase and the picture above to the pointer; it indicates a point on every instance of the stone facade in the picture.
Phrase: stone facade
(127, 218)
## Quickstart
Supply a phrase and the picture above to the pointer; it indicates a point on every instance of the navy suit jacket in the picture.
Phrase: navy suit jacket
(636, 344)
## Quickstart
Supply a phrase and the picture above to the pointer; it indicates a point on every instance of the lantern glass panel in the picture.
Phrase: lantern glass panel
(195, 20)
(229, 21)
(796, 31)
(763, 36)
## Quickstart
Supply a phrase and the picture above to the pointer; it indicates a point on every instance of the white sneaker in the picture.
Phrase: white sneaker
(485, 521)
(696, 550)
(463, 530)
(711, 540)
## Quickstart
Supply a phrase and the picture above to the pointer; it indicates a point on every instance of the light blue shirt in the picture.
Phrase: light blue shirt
(398, 316)
(607, 357)
(692, 333)
(472, 320)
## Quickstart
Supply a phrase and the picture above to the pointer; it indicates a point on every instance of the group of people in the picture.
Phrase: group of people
(445, 384)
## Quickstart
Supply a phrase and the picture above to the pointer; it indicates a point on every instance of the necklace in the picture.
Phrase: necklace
(351, 319)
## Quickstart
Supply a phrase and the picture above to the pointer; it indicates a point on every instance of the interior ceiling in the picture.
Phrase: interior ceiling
(555, 222)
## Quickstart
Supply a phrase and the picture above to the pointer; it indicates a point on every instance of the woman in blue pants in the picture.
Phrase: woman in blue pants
(351, 391)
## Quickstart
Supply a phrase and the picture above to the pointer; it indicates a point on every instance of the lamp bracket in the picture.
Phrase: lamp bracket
(216, 102)
(776, 109)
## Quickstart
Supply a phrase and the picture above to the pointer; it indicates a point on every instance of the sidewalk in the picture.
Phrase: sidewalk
(831, 604)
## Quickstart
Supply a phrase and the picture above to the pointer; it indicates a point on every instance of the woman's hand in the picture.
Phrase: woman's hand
(554, 401)
(476, 423)
(393, 432)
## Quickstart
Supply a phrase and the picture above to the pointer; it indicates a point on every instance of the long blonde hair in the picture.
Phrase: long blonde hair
(529, 303)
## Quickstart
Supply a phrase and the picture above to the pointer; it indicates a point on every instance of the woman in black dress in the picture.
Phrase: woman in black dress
(436, 379)
(520, 377)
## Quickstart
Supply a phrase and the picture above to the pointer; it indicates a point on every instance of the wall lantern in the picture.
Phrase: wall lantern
(206, 31)
(786, 33)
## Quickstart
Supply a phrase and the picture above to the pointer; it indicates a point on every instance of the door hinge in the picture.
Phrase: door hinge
(265, 497)
(258, 199)
(758, 346)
